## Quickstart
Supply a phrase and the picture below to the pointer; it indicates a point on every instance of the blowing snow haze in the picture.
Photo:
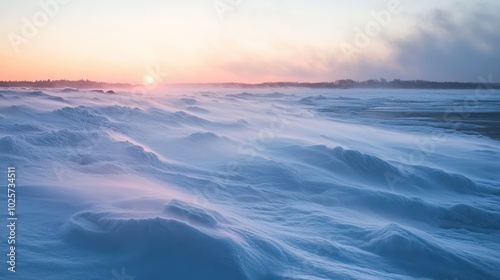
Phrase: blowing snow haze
(249, 140)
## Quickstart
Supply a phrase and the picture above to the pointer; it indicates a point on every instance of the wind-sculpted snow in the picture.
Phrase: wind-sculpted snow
(263, 184)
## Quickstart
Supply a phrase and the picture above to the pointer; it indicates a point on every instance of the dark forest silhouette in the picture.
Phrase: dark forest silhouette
(344, 84)
(382, 83)
(83, 84)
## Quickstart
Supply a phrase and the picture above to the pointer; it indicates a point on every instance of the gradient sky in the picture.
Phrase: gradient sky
(259, 40)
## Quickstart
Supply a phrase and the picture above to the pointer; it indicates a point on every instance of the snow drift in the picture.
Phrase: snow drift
(225, 184)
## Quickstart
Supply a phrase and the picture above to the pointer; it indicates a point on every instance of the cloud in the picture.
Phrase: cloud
(449, 46)
(456, 44)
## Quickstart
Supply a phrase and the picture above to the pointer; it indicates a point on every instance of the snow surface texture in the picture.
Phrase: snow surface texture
(224, 184)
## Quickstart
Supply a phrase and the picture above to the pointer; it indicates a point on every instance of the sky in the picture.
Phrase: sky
(199, 41)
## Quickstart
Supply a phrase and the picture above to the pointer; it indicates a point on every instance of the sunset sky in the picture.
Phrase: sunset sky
(248, 41)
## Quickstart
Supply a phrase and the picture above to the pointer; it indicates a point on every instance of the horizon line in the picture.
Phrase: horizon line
(125, 84)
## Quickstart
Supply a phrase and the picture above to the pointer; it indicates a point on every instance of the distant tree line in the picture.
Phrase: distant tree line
(346, 83)
(373, 83)
(85, 84)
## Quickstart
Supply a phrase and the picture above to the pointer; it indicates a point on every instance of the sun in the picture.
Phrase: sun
(149, 80)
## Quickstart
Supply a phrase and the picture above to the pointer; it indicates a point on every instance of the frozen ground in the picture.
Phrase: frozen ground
(264, 184)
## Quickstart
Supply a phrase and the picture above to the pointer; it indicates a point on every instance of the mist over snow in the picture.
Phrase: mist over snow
(253, 184)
